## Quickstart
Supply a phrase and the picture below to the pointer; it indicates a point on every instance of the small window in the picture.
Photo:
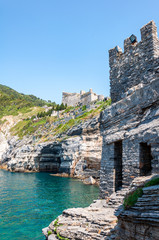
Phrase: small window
(145, 159)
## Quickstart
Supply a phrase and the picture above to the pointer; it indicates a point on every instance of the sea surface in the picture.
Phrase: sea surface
(30, 201)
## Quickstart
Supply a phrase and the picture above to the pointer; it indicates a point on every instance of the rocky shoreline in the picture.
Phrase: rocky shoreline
(107, 218)
(78, 155)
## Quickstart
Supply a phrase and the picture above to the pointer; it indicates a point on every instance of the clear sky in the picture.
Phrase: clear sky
(50, 46)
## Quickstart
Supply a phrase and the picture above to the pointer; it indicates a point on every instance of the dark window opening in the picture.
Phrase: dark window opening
(47, 167)
(145, 159)
(59, 160)
(118, 165)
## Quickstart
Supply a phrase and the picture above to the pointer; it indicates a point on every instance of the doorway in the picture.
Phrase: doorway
(118, 164)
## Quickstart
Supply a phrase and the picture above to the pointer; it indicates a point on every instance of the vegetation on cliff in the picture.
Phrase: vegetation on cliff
(35, 120)
(132, 198)
(56, 224)
(47, 127)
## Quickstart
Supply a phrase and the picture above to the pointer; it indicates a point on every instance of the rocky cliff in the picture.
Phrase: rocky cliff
(69, 143)
(78, 153)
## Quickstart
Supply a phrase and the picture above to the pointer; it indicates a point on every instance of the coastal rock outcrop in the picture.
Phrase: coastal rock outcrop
(78, 154)
(3, 144)
(93, 222)
(106, 219)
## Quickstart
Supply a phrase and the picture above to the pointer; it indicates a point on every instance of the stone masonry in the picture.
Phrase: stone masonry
(130, 126)
(138, 64)
(82, 98)
(142, 220)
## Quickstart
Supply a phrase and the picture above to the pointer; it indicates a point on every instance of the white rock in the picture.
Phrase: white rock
(89, 180)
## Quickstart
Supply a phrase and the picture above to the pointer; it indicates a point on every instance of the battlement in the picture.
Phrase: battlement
(82, 98)
(137, 64)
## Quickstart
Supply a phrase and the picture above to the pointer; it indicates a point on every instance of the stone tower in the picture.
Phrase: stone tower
(130, 126)
(137, 64)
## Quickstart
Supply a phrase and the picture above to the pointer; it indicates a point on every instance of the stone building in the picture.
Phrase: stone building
(138, 64)
(82, 98)
(130, 126)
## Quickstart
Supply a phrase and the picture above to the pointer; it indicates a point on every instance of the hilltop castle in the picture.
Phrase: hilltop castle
(82, 98)
(130, 127)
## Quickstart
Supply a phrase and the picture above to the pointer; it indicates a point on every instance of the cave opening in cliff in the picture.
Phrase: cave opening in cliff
(118, 165)
(145, 159)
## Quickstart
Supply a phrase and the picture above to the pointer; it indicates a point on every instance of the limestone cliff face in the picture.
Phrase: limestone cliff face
(3, 144)
(78, 155)
(9, 121)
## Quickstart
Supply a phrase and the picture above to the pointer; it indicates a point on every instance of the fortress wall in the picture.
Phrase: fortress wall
(130, 126)
(138, 63)
(88, 98)
(74, 99)
(71, 99)
(133, 121)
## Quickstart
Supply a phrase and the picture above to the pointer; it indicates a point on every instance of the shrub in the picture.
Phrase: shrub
(152, 182)
(25, 127)
(49, 233)
(56, 224)
(2, 122)
(131, 199)
(99, 102)
(61, 238)
(68, 109)
(83, 115)
(61, 128)
(84, 108)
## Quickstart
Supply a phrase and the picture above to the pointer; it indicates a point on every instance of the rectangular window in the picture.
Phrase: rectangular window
(145, 159)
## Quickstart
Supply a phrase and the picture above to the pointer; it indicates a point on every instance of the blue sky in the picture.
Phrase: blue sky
(50, 46)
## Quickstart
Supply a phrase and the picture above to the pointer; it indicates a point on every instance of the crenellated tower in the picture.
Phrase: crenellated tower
(137, 64)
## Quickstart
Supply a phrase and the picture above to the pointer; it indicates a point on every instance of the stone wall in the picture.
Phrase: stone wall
(133, 120)
(71, 99)
(84, 98)
(142, 220)
(138, 64)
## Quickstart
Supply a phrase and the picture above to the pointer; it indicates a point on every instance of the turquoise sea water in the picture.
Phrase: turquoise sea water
(30, 201)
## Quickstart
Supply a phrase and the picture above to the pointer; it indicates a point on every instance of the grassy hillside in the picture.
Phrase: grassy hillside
(46, 127)
(35, 121)
(12, 102)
